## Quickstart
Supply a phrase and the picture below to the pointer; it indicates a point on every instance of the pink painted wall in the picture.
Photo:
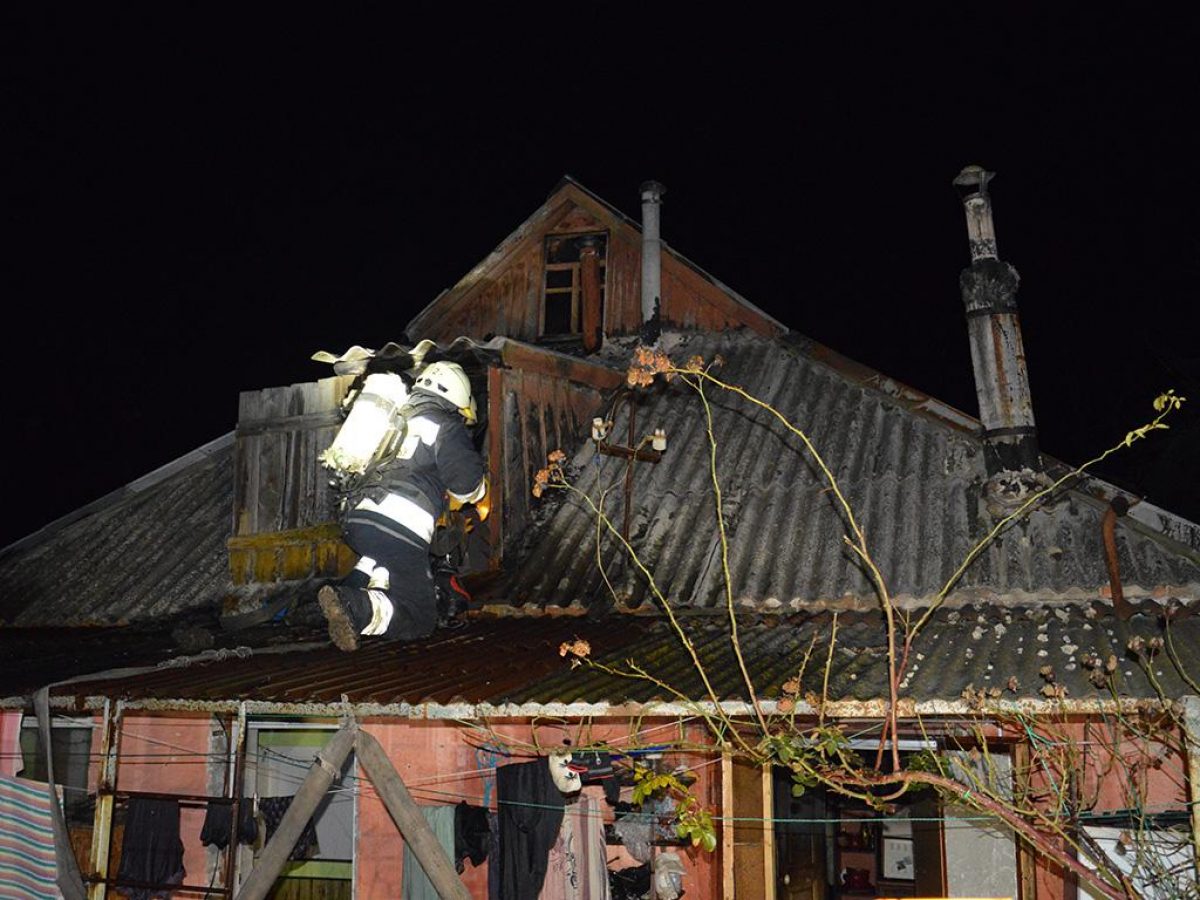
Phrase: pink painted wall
(440, 765)
(169, 754)
(1120, 770)
(10, 742)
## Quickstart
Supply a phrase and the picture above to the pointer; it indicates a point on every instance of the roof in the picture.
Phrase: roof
(152, 548)
(912, 470)
(513, 665)
(911, 467)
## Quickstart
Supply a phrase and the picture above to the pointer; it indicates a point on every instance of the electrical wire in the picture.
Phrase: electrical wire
(361, 787)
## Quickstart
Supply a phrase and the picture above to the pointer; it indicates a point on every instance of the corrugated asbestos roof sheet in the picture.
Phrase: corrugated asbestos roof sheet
(913, 479)
(517, 661)
(912, 470)
(151, 549)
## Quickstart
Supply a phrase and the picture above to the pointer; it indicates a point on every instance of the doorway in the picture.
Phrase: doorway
(279, 756)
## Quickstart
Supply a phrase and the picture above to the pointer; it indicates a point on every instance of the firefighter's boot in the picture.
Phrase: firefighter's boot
(339, 608)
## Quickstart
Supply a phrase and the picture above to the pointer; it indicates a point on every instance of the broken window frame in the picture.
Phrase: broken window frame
(574, 291)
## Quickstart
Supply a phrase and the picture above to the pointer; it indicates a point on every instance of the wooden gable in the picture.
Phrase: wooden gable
(504, 294)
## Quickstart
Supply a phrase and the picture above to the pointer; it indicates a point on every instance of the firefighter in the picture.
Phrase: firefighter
(395, 507)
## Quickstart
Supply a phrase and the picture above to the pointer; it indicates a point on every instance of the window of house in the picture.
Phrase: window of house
(71, 742)
(562, 294)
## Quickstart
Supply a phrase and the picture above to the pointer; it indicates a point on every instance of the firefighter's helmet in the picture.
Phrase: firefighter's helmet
(448, 380)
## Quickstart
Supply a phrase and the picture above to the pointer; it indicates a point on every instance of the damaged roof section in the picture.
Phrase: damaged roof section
(912, 470)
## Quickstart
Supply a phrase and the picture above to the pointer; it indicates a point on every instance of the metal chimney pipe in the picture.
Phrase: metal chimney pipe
(652, 194)
(981, 232)
(989, 292)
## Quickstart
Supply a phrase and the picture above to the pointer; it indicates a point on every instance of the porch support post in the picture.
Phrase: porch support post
(110, 750)
(727, 844)
(1026, 860)
(236, 772)
(409, 819)
(274, 856)
(1191, 737)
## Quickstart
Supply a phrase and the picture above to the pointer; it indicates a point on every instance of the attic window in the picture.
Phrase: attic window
(562, 295)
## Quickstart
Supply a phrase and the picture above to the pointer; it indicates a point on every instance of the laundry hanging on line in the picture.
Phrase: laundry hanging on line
(272, 810)
(27, 862)
(151, 849)
(217, 829)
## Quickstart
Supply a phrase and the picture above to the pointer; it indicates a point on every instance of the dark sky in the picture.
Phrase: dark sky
(198, 199)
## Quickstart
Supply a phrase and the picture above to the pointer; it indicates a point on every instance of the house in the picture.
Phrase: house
(195, 668)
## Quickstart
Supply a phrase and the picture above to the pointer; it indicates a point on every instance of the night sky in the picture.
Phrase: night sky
(198, 199)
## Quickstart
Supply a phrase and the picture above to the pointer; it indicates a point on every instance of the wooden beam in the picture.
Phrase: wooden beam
(527, 358)
(768, 815)
(495, 463)
(409, 819)
(1191, 723)
(1026, 860)
(727, 843)
(110, 741)
(275, 855)
(652, 456)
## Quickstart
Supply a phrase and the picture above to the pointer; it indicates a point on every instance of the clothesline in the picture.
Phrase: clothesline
(615, 744)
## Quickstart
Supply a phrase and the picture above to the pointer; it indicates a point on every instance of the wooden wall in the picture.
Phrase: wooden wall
(532, 414)
(505, 302)
(284, 510)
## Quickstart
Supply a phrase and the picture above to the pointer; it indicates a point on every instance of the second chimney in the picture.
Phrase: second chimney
(989, 292)
(652, 194)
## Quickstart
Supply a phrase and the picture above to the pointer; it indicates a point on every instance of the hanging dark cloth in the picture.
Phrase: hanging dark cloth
(493, 859)
(531, 812)
(272, 809)
(151, 851)
(216, 830)
(632, 883)
(472, 835)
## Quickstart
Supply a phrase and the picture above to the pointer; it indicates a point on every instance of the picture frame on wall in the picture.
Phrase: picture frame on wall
(897, 826)
(897, 862)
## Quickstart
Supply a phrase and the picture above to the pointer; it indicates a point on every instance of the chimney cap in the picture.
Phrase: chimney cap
(654, 189)
(974, 177)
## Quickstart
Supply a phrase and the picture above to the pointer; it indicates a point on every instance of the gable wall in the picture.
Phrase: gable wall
(502, 295)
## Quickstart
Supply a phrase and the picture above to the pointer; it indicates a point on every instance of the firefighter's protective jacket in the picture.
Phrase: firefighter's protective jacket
(409, 490)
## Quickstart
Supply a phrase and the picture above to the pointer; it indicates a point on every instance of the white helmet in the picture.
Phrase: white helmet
(448, 380)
